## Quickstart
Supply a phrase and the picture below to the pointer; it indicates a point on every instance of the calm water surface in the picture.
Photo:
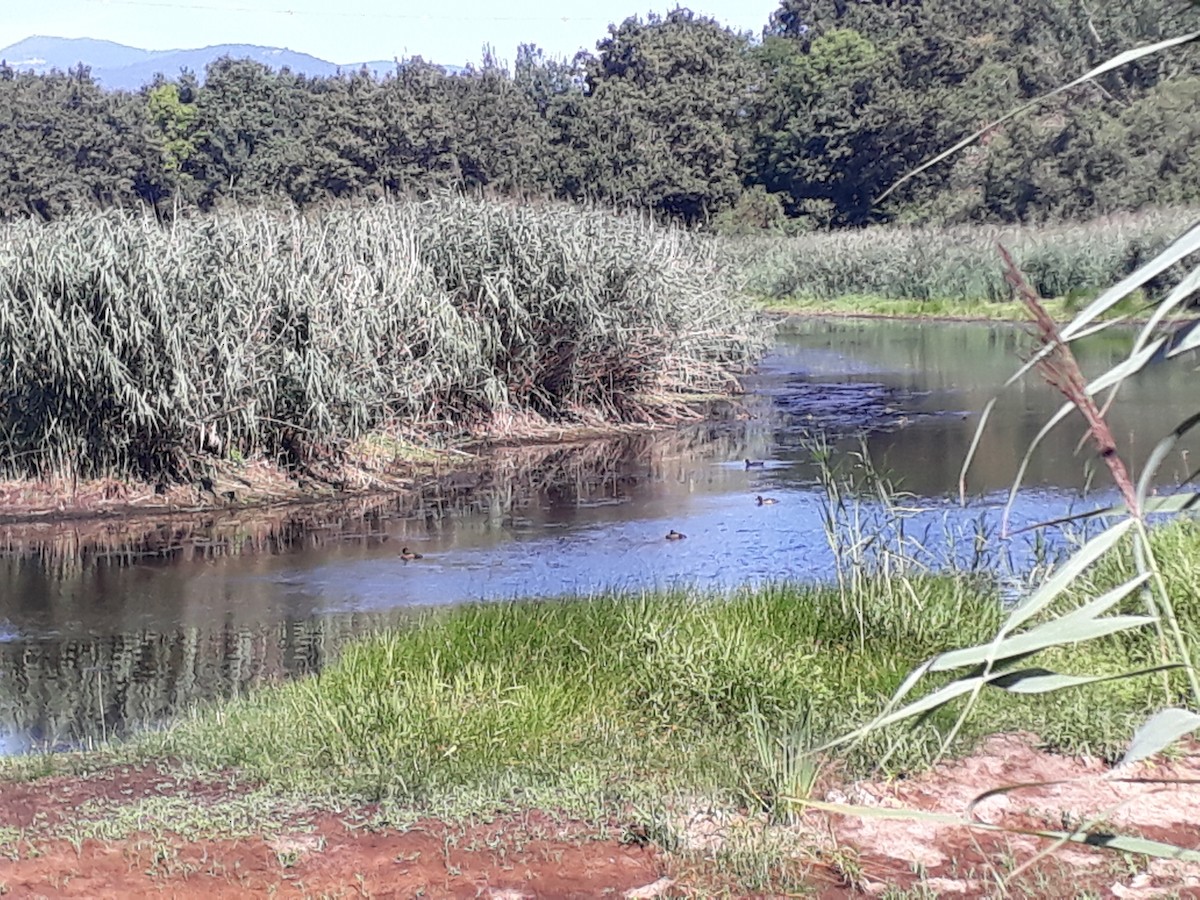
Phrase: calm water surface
(94, 640)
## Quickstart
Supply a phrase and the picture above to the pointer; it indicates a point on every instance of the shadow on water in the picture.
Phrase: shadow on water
(123, 623)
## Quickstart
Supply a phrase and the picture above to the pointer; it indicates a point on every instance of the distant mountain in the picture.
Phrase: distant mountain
(117, 66)
(42, 53)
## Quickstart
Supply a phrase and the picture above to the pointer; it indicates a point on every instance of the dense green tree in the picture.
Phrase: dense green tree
(418, 129)
(672, 114)
(813, 143)
(502, 136)
(65, 144)
(661, 122)
(349, 134)
(254, 133)
(556, 89)
(545, 81)
(174, 123)
(858, 93)
(1158, 135)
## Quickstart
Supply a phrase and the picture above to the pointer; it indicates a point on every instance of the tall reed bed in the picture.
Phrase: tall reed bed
(957, 263)
(131, 348)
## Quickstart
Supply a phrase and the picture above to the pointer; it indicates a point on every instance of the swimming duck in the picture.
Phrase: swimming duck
(674, 535)
(751, 464)
(407, 554)
(765, 501)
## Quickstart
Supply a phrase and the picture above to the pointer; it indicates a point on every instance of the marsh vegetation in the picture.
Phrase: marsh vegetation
(134, 349)
(955, 270)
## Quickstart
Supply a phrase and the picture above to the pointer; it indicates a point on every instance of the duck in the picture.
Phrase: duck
(751, 464)
(407, 554)
(765, 501)
(674, 535)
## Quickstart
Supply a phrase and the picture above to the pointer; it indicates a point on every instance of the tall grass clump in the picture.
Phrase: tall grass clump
(132, 348)
(952, 263)
(626, 698)
(503, 701)
(595, 704)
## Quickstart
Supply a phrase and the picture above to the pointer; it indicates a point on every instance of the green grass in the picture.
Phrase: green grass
(595, 705)
(965, 310)
(580, 700)
(887, 307)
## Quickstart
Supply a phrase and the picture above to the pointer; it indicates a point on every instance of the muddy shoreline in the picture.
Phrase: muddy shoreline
(259, 487)
(782, 313)
(272, 510)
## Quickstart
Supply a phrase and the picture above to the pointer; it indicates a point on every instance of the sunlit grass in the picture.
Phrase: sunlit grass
(613, 692)
(593, 703)
(886, 307)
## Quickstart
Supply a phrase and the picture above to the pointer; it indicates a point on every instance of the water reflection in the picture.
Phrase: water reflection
(122, 623)
(946, 373)
(79, 689)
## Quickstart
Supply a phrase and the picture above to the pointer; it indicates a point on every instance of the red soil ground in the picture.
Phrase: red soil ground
(319, 854)
(100, 836)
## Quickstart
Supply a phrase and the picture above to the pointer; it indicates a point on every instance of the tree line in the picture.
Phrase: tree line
(803, 126)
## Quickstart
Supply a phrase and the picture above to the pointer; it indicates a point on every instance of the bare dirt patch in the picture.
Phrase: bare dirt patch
(134, 831)
(1151, 800)
(49, 847)
(48, 803)
(333, 859)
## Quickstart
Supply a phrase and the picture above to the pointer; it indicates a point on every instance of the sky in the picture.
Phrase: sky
(449, 32)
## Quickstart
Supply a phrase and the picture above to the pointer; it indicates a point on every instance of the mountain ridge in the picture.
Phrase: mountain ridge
(121, 67)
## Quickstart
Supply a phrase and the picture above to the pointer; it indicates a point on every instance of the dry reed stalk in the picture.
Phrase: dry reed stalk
(1057, 365)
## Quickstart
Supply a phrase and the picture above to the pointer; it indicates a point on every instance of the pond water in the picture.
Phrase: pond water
(96, 635)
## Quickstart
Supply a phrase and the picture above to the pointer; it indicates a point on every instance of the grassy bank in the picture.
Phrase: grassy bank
(593, 705)
(135, 349)
(941, 270)
(888, 308)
